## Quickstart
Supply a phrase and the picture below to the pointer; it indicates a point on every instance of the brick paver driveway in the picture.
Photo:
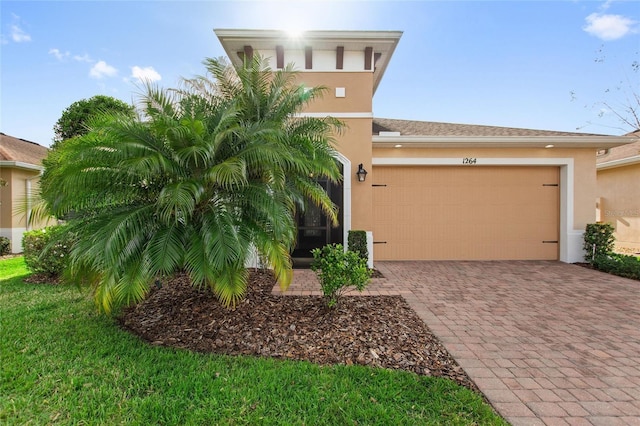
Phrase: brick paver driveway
(546, 342)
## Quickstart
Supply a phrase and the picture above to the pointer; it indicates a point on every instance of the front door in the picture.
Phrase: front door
(314, 227)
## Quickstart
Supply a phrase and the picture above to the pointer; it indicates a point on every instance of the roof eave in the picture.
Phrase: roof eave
(385, 41)
(596, 142)
(21, 165)
(619, 163)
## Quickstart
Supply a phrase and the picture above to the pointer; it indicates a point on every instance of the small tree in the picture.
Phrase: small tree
(598, 240)
(76, 117)
(5, 246)
(46, 251)
(357, 242)
(337, 270)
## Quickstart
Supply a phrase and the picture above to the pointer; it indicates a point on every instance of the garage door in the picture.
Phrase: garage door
(465, 213)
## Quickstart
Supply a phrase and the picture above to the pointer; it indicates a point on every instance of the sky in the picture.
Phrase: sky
(550, 65)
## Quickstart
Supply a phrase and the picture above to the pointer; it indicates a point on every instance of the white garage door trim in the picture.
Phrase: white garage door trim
(570, 239)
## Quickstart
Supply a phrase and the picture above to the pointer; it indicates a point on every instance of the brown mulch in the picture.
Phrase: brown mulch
(43, 279)
(378, 331)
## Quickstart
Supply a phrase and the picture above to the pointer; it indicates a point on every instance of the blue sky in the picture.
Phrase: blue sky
(536, 64)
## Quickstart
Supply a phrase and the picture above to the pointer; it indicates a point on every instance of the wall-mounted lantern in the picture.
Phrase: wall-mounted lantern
(361, 173)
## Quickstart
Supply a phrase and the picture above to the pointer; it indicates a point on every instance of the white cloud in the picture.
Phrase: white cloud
(101, 69)
(609, 27)
(606, 5)
(83, 58)
(63, 56)
(58, 54)
(16, 33)
(147, 74)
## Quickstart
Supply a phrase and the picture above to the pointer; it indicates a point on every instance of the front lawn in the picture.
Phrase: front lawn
(62, 363)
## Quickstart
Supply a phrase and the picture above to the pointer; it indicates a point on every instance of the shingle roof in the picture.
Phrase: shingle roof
(621, 152)
(431, 128)
(15, 149)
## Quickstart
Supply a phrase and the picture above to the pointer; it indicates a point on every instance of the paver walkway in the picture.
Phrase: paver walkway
(546, 342)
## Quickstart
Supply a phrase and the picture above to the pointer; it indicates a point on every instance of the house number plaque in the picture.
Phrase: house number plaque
(469, 160)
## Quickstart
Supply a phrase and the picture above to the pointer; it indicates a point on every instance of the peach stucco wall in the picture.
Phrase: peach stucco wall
(358, 91)
(618, 190)
(354, 142)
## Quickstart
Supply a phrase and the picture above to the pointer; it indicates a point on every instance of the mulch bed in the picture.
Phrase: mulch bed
(378, 331)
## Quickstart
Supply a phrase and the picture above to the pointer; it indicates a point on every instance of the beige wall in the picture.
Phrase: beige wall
(14, 196)
(618, 190)
(6, 219)
(13, 204)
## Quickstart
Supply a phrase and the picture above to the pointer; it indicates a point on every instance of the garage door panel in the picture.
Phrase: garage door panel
(465, 212)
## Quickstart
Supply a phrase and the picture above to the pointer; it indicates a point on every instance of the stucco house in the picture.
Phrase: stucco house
(20, 169)
(618, 183)
(432, 190)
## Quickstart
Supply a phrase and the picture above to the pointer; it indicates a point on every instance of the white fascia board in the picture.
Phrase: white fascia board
(335, 114)
(329, 35)
(21, 165)
(619, 163)
(596, 142)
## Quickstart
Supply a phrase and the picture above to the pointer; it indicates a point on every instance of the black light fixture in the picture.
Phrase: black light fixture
(361, 173)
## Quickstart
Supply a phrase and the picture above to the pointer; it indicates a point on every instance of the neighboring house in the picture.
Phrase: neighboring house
(618, 177)
(433, 190)
(20, 169)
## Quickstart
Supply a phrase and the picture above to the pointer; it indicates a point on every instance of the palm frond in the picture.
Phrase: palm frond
(166, 250)
(177, 201)
(230, 285)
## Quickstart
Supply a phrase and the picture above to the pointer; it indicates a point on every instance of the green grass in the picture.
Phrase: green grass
(62, 363)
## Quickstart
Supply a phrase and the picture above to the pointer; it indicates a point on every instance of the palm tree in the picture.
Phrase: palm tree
(206, 174)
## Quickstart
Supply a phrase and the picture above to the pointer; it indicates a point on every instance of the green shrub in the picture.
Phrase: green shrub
(5, 246)
(357, 242)
(338, 269)
(618, 264)
(598, 240)
(46, 251)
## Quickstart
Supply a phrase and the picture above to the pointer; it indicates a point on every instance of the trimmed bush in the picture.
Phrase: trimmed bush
(357, 243)
(5, 246)
(338, 269)
(618, 264)
(598, 240)
(46, 251)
